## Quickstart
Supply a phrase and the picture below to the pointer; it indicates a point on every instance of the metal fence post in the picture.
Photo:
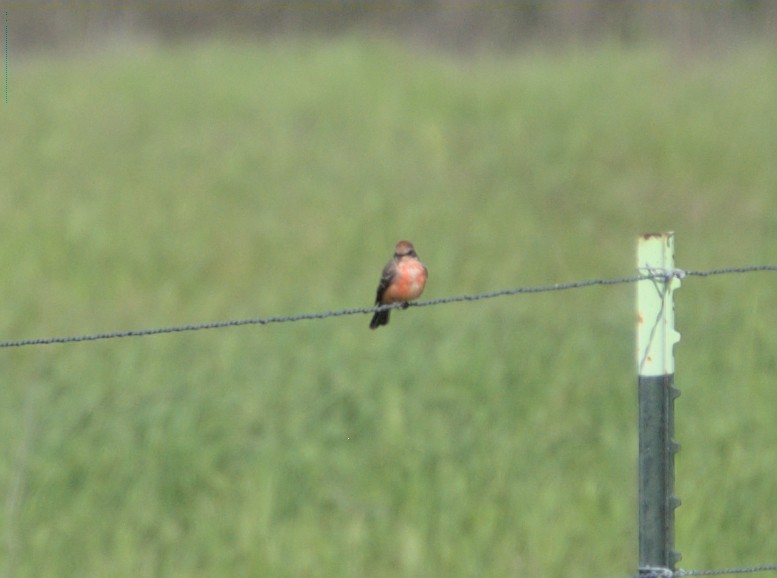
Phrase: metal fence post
(655, 338)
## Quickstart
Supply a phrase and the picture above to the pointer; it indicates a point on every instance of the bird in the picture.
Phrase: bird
(403, 279)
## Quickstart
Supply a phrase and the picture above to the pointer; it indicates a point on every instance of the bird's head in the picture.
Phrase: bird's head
(404, 249)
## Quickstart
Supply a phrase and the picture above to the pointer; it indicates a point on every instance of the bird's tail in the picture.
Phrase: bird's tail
(380, 318)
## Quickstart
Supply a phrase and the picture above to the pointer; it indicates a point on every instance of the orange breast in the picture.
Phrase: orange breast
(408, 283)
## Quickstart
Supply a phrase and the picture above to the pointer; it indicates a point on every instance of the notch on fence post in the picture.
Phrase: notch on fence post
(656, 337)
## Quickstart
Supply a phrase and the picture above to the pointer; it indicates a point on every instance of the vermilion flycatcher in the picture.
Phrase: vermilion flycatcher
(402, 280)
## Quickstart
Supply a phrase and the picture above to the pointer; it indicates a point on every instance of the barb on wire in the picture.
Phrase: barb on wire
(650, 275)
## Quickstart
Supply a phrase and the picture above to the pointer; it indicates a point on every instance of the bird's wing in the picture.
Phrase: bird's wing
(389, 272)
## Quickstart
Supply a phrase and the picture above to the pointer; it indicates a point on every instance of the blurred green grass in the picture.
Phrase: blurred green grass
(158, 186)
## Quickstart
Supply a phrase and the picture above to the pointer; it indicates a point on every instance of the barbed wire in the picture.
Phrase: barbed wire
(745, 570)
(653, 274)
(658, 572)
(729, 270)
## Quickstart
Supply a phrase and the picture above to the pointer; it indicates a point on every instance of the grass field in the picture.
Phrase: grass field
(149, 187)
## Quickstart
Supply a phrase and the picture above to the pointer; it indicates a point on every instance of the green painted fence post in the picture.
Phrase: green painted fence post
(656, 337)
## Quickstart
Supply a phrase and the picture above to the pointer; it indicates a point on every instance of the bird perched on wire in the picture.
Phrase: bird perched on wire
(403, 279)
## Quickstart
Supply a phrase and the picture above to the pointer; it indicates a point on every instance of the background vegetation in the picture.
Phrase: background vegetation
(151, 186)
(462, 24)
